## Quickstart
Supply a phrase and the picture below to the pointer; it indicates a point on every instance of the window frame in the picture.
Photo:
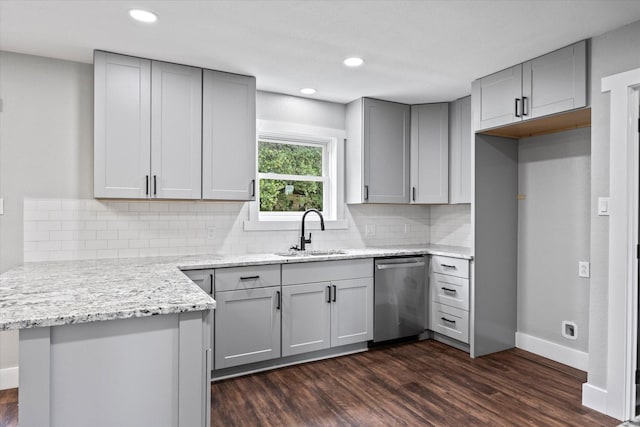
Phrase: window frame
(333, 188)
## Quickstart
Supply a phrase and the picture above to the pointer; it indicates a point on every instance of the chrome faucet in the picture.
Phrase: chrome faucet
(303, 239)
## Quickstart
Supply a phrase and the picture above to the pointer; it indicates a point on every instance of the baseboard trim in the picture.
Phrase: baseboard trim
(559, 353)
(8, 378)
(594, 397)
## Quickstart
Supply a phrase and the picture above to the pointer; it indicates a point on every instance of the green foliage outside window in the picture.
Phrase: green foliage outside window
(277, 195)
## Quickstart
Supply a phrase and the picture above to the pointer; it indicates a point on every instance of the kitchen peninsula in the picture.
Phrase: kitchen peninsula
(125, 342)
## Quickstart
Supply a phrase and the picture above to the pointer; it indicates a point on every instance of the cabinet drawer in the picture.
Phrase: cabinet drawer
(326, 271)
(251, 277)
(450, 321)
(450, 290)
(451, 266)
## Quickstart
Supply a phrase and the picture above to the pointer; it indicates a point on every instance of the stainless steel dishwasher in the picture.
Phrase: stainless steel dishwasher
(400, 285)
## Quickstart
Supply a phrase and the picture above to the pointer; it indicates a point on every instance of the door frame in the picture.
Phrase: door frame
(622, 326)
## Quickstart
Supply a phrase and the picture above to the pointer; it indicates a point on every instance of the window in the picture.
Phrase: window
(299, 168)
(293, 175)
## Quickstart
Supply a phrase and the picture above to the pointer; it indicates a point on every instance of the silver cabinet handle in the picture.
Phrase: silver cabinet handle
(400, 265)
(249, 277)
(448, 266)
(449, 290)
(366, 192)
(253, 188)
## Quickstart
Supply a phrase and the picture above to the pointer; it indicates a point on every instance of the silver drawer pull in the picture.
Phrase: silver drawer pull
(444, 319)
(449, 291)
(448, 266)
(249, 277)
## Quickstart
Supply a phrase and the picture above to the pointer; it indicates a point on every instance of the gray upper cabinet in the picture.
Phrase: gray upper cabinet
(378, 144)
(555, 82)
(147, 137)
(176, 144)
(122, 123)
(496, 98)
(550, 84)
(430, 153)
(228, 136)
(460, 151)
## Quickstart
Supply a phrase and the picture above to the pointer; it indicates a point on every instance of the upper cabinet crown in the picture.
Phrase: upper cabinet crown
(378, 143)
(154, 120)
(550, 84)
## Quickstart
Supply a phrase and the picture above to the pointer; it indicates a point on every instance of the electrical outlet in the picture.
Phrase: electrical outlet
(583, 269)
(211, 233)
(569, 330)
(369, 230)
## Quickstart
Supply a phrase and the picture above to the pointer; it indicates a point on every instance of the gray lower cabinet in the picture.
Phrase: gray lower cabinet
(247, 315)
(378, 144)
(430, 153)
(550, 84)
(247, 326)
(449, 295)
(326, 304)
(306, 318)
(139, 371)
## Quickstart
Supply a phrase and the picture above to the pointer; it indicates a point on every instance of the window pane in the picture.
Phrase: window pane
(289, 159)
(290, 196)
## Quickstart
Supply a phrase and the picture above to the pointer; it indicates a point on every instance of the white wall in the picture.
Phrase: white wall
(553, 235)
(46, 148)
(611, 53)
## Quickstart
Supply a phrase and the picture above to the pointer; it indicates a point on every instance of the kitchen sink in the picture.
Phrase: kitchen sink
(311, 252)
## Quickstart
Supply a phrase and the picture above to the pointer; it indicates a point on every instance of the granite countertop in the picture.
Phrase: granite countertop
(68, 292)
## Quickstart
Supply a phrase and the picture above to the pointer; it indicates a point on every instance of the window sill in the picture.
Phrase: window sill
(249, 225)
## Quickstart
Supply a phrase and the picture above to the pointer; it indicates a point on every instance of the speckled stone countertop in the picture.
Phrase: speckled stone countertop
(68, 292)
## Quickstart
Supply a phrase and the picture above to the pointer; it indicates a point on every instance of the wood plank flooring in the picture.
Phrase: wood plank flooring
(416, 384)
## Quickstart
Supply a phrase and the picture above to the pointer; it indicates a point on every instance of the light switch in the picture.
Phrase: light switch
(603, 206)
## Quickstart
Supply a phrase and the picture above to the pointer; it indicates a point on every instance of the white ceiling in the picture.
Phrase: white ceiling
(415, 51)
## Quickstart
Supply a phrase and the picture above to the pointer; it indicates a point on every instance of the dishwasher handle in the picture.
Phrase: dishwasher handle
(400, 265)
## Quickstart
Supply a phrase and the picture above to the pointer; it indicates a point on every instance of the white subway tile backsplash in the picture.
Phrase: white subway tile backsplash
(90, 229)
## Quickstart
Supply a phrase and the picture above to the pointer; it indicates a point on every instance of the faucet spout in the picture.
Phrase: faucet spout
(303, 239)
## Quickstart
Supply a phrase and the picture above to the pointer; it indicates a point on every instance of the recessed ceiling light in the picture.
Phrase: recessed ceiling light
(143, 15)
(353, 62)
(308, 91)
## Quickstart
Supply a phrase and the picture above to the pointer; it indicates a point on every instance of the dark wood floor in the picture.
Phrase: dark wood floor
(423, 384)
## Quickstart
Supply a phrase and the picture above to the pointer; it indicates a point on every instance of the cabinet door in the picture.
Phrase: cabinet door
(176, 131)
(430, 153)
(386, 151)
(352, 311)
(228, 136)
(460, 135)
(306, 318)
(122, 122)
(247, 326)
(497, 98)
(555, 82)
